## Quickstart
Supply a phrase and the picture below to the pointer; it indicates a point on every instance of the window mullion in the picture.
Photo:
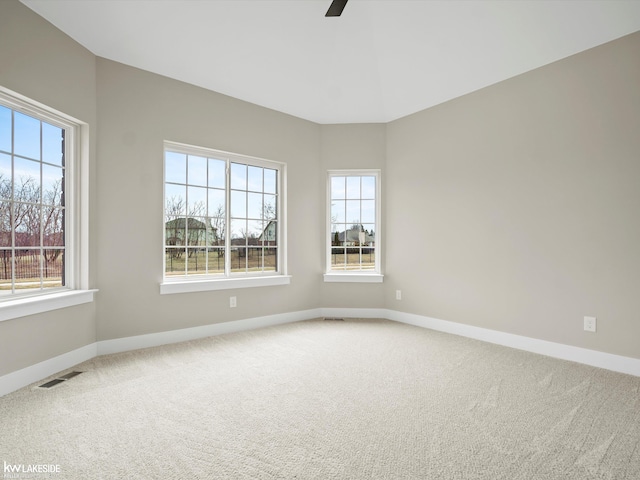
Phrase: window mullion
(40, 216)
(186, 218)
(227, 219)
(12, 210)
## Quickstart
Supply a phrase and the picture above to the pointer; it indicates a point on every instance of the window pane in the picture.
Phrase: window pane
(5, 270)
(27, 268)
(196, 261)
(269, 236)
(369, 234)
(238, 232)
(254, 259)
(217, 175)
(255, 179)
(336, 236)
(270, 259)
(368, 258)
(27, 180)
(51, 185)
(5, 176)
(26, 136)
(353, 187)
(27, 225)
(5, 129)
(254, 232)
(175, 167)
(353, 258)
(254, 205)
(238, 250)
(270, 181)
(353, 212)
(196, 231)
(197, 169)
(338, 187)
(338, 211)
(238, 204)
(238, 176)
(53, 267)
(369, 188)
(215, 260)
(368, 212)
(337, 258)
(175, 261)
(217, 231)
(239, 259)
(53, 227)
(269, 211)
(175, 199)
(216, 203)
(196, 201)
(5, 224)
(174, 228)
(51, 144)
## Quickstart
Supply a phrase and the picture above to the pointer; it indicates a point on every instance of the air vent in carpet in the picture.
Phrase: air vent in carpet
(52, 383)
(332, 319)
(63, 378)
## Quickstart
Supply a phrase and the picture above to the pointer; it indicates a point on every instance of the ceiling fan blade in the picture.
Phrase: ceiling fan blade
(336, 7)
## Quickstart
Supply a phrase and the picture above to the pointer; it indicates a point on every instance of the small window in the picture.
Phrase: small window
(222, 215)
(353, 244)
(36, 199)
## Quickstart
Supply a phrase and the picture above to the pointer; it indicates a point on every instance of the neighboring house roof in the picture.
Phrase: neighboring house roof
(191, 223)
(356, 235)
(269, 232)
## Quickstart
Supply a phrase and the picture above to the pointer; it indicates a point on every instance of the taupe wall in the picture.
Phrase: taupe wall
(42, 63)
(138, 111)
(517, 207)
(353, 146)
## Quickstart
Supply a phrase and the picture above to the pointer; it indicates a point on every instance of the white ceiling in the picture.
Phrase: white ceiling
(381, 60)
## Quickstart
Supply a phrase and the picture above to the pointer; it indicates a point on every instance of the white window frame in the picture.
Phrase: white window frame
(230, 280)
(76, 291)
(358, 276)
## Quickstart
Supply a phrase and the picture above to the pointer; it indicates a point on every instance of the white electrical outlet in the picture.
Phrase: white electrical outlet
(590, 324)
(232, 302)
(398, 294)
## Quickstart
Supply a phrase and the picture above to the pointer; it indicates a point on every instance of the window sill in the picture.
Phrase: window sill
(356, 277)
(186, 286)
(21, 307)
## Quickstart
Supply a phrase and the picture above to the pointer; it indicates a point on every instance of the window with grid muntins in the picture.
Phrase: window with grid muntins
(32, 203)
(221, 214)
(353, 208)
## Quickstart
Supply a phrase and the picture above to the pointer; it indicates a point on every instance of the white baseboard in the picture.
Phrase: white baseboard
(21, 378)
(34, 373)
(608, 361)
(353, 312)
(174, 336)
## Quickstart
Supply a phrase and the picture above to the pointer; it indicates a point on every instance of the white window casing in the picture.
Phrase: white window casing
(223, 194)
(353, 226)
(19, 297)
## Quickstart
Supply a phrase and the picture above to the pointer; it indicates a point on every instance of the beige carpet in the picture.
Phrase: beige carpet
(328, 400)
